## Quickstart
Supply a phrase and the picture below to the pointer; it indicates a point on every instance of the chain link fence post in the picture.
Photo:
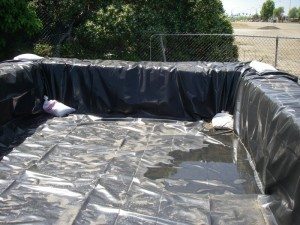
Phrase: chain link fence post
(150, 50)
(163, 49)
(228, 48)
(276, 51)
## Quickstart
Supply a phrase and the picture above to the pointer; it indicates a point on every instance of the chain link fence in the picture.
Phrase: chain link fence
(281, 52)
(63, 38)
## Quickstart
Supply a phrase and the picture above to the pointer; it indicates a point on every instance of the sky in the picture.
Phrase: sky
(253, 6)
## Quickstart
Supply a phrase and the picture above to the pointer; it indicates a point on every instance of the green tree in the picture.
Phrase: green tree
(255, 17)
(278, 12)
(60, 18)
(19, 22)
(121, 29)
(267, 10)
(294, 13)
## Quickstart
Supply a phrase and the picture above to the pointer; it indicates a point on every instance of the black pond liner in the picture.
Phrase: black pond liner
(138, 149)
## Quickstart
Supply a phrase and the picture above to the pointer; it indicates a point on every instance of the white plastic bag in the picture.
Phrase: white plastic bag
(28, 56)
(261, 67)
(56, 108)
(223, 121)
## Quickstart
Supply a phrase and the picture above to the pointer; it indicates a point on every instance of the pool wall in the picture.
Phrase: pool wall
(265, 106)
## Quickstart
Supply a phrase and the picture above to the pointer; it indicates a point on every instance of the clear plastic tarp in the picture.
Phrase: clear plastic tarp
(83, 169)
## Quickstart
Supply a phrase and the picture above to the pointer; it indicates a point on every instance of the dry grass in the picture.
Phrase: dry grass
(264, 48)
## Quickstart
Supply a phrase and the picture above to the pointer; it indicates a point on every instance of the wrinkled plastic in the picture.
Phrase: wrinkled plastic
(267, 119)
(184, 91)
(86, 170)
(21, 90)
(67, 179)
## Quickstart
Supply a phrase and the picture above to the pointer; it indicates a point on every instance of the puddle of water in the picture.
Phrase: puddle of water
(219, 163)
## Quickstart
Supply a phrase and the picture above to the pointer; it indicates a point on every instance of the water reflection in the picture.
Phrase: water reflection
(217, 166)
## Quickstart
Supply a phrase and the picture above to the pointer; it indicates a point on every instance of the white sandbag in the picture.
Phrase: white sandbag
(261, 67)
(56, 108)
(28, 56)
(223, 121)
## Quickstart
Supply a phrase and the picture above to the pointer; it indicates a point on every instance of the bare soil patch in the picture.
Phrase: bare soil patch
(269, 28)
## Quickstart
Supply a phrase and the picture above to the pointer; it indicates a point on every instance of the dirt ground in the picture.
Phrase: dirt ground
(264, 48)
(253, 28)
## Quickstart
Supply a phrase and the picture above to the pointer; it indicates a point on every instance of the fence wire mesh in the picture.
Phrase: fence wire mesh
(281, 52)
(69, 38)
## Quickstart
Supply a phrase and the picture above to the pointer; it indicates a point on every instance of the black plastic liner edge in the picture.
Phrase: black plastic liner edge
(267, 119)
(267, 109)
(182, 91)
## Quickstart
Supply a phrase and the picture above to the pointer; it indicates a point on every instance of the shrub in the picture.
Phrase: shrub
(122, 31)
(19, 23)
(119, 29)
(43, 49)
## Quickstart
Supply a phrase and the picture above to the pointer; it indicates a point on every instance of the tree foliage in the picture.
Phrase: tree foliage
(60, 14)
(115, 29)
(294, 13)
(121, 29)
(267, 10)
(256, 17)
(18, 22)
(278, 12)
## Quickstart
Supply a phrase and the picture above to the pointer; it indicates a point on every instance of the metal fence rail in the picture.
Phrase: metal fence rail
(281, 52)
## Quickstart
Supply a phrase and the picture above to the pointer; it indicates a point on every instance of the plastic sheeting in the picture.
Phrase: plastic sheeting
(267, 119)
(184, 91)
(21, 90)
(86, 170)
